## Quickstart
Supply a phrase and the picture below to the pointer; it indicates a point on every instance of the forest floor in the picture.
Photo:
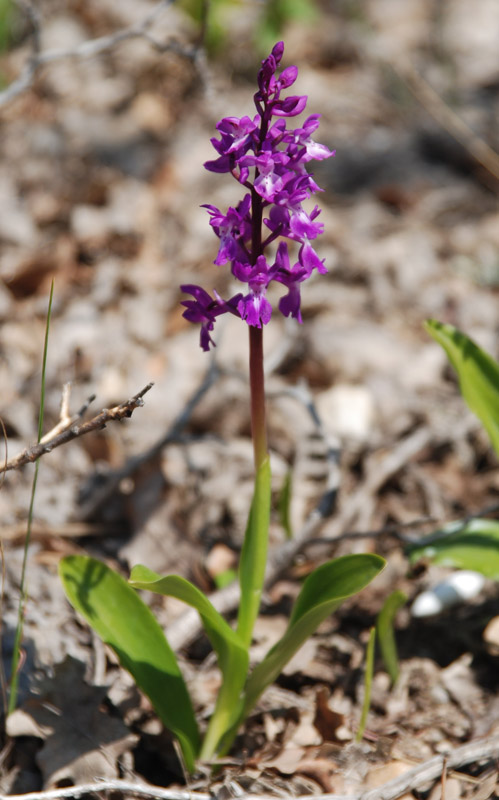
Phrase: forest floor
(101, 183)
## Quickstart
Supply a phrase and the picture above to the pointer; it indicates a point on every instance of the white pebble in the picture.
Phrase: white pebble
(459, 586)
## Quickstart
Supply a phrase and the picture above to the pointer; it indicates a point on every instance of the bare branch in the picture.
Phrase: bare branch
(93, 47)
(71, 429)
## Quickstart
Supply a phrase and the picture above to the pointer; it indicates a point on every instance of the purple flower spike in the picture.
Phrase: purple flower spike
(269, 160)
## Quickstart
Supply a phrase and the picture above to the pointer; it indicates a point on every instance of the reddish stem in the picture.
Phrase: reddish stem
(257, 385)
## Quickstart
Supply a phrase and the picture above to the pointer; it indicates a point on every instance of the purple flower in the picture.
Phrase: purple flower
(301, 144)
(235, 140)
(290, 276)
(255, 308)
(269, 181)
(269, 160)
(233, 229)
(205, 309)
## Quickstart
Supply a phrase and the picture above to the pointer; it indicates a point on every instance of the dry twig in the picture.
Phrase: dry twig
(481, 750)
(479, 150)
(69, 428)
(93, 47)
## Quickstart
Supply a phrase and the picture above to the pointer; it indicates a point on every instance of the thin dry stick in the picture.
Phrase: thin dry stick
(448, 119)
(444, 779)
(481, 750)
(92, 47)
(65, 530)
(417, 777)
(75, 430)
(126, 787)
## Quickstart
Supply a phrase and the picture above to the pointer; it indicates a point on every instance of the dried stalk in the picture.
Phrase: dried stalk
(68, 429)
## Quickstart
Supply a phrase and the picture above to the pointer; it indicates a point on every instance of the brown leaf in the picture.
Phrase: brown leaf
(327, 721)
(81, 740)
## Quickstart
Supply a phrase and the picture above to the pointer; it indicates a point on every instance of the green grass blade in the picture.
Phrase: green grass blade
(254, 555)
(368, 683)
(232, 655)
(465, 545)
(478, 375)
(124, 622)
(386, 635)
(14, 672)
(284, 505)
(321, 594)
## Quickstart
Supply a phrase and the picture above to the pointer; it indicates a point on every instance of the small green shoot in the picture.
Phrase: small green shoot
(224, 578)
(276, 14)
(368, 682)
(14, 679)
(212, 19)
(7, 14)
(386, 634)
(284, 504)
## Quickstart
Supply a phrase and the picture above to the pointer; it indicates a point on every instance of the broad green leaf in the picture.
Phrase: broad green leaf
(368, 683)
(477, 372)
(124, 622)
(321, 594)
(232, 654)
(386, 636)
(253, 559)
(470, 545)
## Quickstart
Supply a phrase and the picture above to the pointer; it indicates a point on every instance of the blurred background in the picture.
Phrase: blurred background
(106, 114)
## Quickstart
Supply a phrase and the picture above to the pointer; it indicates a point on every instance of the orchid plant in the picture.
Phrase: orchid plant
(266, 238)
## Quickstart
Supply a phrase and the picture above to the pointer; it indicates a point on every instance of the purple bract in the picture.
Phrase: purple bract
(269, 161)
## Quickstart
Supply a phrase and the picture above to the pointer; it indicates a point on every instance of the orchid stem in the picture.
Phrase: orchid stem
(257, 386)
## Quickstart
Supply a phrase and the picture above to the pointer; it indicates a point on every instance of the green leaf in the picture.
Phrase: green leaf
(232, 654)
(386, 636)
(467, 545)
(124, 622)
(368, 683)
(321, 594)
(253, 559)
(477, 372)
